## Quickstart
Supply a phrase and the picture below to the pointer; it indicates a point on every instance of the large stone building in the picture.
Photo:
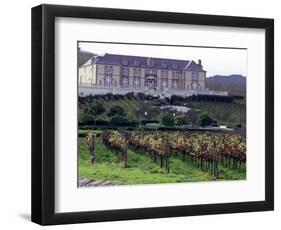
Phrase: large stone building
(120, 74)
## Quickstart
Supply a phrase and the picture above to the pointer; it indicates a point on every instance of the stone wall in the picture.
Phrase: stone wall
(87, 89)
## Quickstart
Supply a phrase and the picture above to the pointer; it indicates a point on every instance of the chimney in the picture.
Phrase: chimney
(199, 62)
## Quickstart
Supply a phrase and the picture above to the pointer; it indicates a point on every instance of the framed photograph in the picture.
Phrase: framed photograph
(143, 114)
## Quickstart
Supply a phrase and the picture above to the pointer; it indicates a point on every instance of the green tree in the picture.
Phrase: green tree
(84, 118)
(181, 120)
(168, 120)
(116, 110)
(205, 120)
(94, 109)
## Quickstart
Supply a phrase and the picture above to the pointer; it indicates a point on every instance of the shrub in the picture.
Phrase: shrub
(141, 96)
(144, 122)
(210, 98)
(84, 118)
(92, 122)
(116, 110)
(94, 109)
(118, 97)
(108, 97)
(169, 128)
(175, 99)
(121, 121)
(205, 120)
(181, 120)
(130, 95)
(238, 97)
(168, 120)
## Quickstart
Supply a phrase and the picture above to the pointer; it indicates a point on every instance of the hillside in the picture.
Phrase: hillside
(235, 84)
(83, 56)
(230, 114)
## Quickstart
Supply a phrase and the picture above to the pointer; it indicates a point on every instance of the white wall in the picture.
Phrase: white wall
(15, 113)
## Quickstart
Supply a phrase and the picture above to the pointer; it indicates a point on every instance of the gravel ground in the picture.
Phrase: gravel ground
(83, 182)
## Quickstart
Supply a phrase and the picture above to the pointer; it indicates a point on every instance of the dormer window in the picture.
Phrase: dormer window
(164, 65)
(175, 66)
(125, 62)
(150, 62)
(137, 63)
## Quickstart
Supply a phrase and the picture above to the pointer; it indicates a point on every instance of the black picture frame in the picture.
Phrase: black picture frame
(43, 114)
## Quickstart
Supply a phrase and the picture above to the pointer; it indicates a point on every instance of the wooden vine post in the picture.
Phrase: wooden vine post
(125, 149)
(215, 160)
(167, 154)
(125, 153)
(90, 141)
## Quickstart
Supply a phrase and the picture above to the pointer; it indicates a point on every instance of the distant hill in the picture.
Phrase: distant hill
(235, 84)
(84, 56)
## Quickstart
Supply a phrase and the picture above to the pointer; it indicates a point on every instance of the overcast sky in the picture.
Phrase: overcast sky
(221, 61)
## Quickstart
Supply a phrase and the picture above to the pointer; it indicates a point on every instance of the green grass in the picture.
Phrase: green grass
(229, 174)
(141, 169)
(81, 131)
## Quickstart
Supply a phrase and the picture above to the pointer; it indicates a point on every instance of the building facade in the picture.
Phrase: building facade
(120, 74)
